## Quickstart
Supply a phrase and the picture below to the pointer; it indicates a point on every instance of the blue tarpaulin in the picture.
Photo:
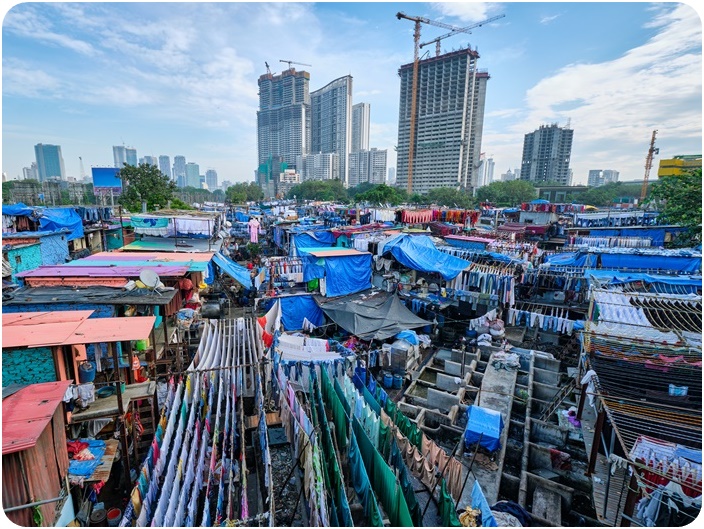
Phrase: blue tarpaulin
(419, 253)
(295, 308)
(86, 468)
(311, 239)
(484, 423)
(577, 259)
(661, 262)
(17, 210)
(54, 219)
(236, 271)
(479, 502)
(690, 284)
(348, 274)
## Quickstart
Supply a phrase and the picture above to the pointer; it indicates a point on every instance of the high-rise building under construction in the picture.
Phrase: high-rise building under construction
(449, 120)
(283, 124)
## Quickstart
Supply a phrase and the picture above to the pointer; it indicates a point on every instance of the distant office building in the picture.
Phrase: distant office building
(331, 122)
(119, 155)
(367, 166)
(391, 177)
(599, 177)
(511, 175)
(211, 179)
(360, 127)
(320, 166)
(50, 163)
(449, 121)
(31, 172)
(283, 125)
(149, 160)
(287, 180)
(485, 171)
(226, 184)
(179, 171)
(131, 156)
(165, 165)
(193, 175)
(546, 155)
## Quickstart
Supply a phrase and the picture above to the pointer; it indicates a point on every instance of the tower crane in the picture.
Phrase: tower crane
(454, 32)
(648, 165)
(83, 171)
(292, 62)
(414, 86)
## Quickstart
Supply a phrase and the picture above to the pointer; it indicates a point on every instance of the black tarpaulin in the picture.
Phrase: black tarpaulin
(371, 316)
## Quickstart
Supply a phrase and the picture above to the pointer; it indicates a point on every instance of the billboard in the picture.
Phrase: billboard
(105, 181)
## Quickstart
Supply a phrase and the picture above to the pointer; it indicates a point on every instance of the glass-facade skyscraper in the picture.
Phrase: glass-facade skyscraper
(165, 165)
(180, 171)
(50, 163)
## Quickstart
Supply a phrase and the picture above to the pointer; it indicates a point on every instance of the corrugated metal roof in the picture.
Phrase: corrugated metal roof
(26, 413)
(102, 271)
(36, 333)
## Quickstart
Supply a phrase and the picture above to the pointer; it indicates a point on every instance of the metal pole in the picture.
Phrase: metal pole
(442, 475)
(28, 505)
(469, 470)
(608, 477)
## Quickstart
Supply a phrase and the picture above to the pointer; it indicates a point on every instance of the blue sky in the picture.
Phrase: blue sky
(181, 78)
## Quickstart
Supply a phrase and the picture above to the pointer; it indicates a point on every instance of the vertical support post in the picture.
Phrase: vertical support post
(121, 417)
(631, 498)
(582, 398)
(595, 443)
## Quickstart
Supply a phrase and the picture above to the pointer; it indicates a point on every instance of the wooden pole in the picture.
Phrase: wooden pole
(442, 475)
(595, 443)
(121, 418)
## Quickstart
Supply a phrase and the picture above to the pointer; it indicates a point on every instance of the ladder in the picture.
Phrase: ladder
(558, 399)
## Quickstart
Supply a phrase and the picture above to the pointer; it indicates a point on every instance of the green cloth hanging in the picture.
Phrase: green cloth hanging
(447, 508)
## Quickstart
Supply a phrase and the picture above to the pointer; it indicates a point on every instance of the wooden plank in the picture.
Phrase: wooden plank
(102, 472)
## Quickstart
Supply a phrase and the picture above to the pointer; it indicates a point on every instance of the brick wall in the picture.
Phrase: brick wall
(27, 366)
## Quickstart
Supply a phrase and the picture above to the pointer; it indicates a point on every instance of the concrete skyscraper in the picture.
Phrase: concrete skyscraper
(331, 122)
(149, 160)
(449, 122)
(367, 166)
(283, 124)
(193, 175)
(131, 156)
(179, 171)
(165, 165)
(360, 127)
(211, 179)
(119, 155)
(546, 155)
(50, 163)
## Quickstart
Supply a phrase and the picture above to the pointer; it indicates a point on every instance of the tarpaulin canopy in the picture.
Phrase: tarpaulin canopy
(670, 262)
(376, 317)
(294, 309)
(311, 239)
(419, 253)
(236, 271)
(54, 219)
(577, 259)
(346, 273)
(484, 423)
(663, 282)
(17, 210)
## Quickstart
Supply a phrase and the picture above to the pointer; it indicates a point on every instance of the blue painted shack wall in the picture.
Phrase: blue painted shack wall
(30, 257)
(54, 249)
(27, 366)
(114, 239)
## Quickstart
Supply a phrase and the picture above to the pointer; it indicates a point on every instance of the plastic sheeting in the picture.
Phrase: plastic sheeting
(419, 253)
(311, 239)
(236, 271)
(348, 274)
(62, 218)
(690, 283)
(670, 262)
(577, 259)
(17, 210)
(378, 318)
(295, 308)
(484, 423)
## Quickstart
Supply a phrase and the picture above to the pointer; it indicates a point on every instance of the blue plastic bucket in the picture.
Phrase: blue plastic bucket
(86, 373)
(398, 382)
(388, 380)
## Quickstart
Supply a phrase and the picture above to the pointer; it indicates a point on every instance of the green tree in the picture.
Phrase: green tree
(679, 199)
(218, 195)
(177, 203)
(241, 193)
(450, 197)
(417, 198)
(382, 194)
(145, 182)
(327, 190)
(359, 189)
(511, 193)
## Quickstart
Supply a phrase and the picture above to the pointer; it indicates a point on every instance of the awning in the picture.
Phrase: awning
(418, 252)
(373, 317)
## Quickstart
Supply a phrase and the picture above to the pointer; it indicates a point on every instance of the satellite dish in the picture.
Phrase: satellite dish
(150, 278)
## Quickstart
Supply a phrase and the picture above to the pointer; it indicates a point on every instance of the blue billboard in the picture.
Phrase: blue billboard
(105, 181)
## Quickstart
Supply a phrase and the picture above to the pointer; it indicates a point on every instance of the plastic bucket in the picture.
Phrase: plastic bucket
(114, 516)
(97, 518)
(388, 380)
(398, 382)
(86, 373)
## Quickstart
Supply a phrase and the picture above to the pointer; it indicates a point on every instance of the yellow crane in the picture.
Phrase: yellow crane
(648, 165)
(454, 32)
(414, 86)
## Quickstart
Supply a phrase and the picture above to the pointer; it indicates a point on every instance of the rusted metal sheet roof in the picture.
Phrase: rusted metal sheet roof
(102, 271)
(26, 413)
(28, 332)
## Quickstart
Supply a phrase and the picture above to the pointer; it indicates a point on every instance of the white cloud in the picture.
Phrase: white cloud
(548, 18)
(22, 79)
(468, 11)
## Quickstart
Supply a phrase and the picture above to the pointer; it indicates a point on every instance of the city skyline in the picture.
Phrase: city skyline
(70, 82)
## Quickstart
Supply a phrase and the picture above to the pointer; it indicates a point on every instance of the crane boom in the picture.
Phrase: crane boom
(293, 62)
(456, 31)
(648, 165)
